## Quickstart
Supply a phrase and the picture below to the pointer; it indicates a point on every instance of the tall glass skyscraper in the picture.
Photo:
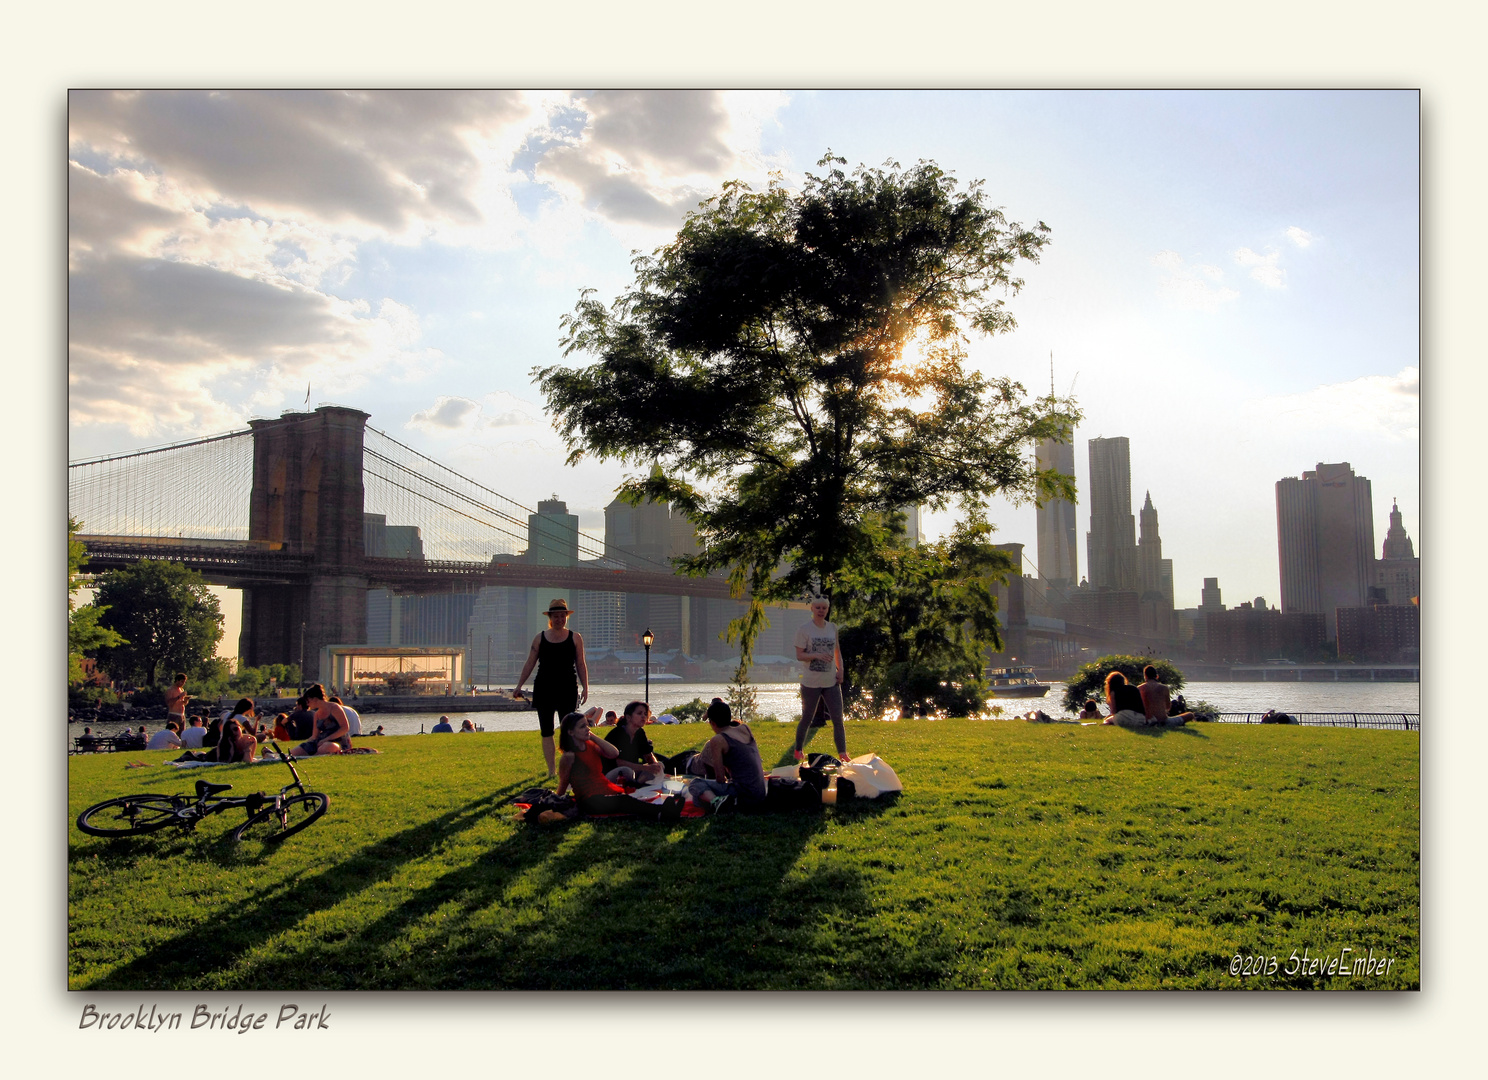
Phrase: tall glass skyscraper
(1111, 543)
(1058, 535)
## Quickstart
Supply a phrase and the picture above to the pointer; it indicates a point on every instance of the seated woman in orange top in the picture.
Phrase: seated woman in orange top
(583, 766)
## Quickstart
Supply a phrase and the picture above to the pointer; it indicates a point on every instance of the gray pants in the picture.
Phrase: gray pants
(810, 695)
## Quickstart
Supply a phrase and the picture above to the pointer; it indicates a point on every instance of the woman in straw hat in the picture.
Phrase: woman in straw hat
(558, 655)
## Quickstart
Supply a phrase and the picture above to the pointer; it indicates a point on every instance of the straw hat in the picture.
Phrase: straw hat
(560, 604)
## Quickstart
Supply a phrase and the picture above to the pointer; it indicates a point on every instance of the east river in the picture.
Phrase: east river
(783, 700)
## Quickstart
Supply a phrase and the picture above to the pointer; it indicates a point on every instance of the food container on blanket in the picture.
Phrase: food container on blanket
(674, 787)
(786, 772)
(829, 797)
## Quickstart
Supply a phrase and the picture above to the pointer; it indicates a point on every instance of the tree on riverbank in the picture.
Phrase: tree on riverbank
(791, 370)
(84, 634)
(917, 622)
(168, 619)
(1090, 680)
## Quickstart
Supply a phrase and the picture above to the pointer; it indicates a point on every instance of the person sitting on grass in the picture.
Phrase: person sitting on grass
(734, 757)
(1156, 698)
(166, 738)
(194, 733)
(332, 732)
(466, 725)
(443, 727)
(1091, 710)
(236, 744)
(638, 764)
(281, 728)
(610, 719)
(1124, 702)
(582, 766)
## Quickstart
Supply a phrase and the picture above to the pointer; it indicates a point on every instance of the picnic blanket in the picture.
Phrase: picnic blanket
(656, 792)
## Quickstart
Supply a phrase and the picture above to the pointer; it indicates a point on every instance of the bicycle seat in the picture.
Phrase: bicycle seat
(203, 788)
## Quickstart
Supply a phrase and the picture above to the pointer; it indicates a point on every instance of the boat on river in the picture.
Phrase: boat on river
(1016, 682)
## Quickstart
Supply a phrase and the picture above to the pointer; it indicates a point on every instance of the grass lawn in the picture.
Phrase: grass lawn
(1019, 856)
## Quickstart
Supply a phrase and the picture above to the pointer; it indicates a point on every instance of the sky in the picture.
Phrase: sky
(1232, 282)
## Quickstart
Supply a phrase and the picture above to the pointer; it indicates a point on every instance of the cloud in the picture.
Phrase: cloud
(1196, 287)
(648, 157)
(1263, 268)
(209, 231)
(498, 410)
(1388, 405)
(386, 159)
(1301, 237)
(163, 346)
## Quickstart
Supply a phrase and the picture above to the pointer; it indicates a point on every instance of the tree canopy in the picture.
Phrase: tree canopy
(168, 618)
(917, 622)
(1090, 680)
(84, 634)
(794, 366)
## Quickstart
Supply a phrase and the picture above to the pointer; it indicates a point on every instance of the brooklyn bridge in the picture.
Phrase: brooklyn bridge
(277, 510)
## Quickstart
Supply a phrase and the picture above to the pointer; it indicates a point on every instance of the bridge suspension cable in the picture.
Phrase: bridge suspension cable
(459, 518)
(197, 488)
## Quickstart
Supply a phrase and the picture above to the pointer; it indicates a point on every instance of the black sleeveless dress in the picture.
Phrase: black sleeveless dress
(555, 689)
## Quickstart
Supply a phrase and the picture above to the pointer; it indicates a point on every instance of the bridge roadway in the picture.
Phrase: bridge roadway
(236, 563)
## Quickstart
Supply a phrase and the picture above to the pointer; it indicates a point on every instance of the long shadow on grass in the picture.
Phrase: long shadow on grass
(1159, 732)
(185, 960)
(715, 903)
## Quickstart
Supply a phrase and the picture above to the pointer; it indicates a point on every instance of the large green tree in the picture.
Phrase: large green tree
(168, 618)
(917, 622)
(794, 365)
(84, 634)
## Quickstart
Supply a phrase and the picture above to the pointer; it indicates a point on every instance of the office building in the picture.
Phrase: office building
(1397, 576)
(1111, 543)
(1058, 533)
(1325, 541)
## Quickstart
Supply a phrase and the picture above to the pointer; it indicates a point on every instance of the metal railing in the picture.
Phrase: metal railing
(1397, 720)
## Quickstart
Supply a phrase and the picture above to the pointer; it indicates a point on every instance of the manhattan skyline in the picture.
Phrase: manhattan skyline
(1232, 282)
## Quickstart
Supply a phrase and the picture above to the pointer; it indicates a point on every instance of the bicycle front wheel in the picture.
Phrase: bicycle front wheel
(129, 815)
(275, 823)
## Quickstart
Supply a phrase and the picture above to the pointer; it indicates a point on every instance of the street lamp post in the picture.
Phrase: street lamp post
(302, 658)
(646, 639)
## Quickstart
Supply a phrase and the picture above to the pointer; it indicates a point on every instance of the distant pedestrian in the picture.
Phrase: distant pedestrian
(821, 676)
(562, 680)
(175, 701)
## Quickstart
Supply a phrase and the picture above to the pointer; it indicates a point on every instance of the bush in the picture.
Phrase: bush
(690, 713)
(1090, 680)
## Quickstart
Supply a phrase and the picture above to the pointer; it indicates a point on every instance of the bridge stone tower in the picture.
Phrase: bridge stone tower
(307, 500)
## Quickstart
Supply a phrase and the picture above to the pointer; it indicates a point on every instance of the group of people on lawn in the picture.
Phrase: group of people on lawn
(727, 770)
(325, 725)
(1146, 704)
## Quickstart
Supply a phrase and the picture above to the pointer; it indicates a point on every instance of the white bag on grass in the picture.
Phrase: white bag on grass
(871, 776)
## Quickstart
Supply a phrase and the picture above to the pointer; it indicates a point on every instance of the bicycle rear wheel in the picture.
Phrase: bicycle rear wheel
(129, 815)
(293, 814)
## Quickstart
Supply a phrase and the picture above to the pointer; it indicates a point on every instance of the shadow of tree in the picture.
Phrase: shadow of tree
(201, 957)
(711, 903)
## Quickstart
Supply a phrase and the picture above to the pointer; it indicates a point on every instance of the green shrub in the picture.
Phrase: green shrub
(1090, 680)
(691, 712)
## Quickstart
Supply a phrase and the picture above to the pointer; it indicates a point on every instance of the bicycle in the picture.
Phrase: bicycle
(270, 819)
